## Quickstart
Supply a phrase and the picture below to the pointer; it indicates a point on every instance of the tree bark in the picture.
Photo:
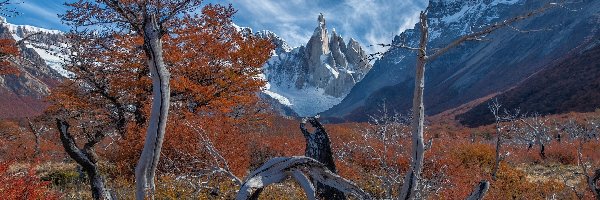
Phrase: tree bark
(542, 150)
(413, 176)
(479, 191)
(498, 156)
(146, 167)
(318, 147)
(36, 134)
(593, 184)
(300, 169)
(86, 158)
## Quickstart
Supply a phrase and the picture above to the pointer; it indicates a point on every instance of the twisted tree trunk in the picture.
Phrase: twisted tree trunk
(318, 147)
(146, 167)
(86, 158)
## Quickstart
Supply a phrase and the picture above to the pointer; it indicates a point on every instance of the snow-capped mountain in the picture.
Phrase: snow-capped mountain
(313, 78)
(475, 69)
(40, 68)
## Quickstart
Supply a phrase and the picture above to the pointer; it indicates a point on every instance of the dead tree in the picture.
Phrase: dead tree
(379, 143)
(411, 180)
(85, 157)
(318, 147)
(582, 135)
(504, 124)
(302, 169)
(36, 134)
(536, 131)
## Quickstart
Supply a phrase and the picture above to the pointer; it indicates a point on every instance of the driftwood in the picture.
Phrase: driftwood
(302, 169)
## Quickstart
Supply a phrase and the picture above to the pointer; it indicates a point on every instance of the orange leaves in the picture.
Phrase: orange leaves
(8, 49)
(23, 185)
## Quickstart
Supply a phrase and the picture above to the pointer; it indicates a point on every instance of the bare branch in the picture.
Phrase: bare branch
(279, 169)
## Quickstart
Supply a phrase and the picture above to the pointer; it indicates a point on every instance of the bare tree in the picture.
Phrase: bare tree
(411, 180)
(536, 131)
(36, 134)
(479, 191)
(217, 168)
(582, 135)
(504, 124)
(318, 147)
(6, 10)
(380, 142)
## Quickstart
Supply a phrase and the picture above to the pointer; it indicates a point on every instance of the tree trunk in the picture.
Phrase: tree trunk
(593, 184)
(36, 134)
(479, 191)
(85, 158)
(318, 147)
(542, 150)
(498, 156)
(413, 176)
(146, 167)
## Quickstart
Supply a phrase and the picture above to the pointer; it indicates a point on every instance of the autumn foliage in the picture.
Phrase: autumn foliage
(23, 185)
(8, 50)
(215, 77)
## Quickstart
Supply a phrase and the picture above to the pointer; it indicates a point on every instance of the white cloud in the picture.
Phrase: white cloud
(368, 21)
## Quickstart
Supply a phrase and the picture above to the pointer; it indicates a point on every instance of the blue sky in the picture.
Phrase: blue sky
(368, 21)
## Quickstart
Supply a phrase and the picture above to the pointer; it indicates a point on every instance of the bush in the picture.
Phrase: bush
(62, 178)
(23, 184)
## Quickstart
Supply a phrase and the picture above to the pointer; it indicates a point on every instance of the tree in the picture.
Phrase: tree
(86, 157)
(214, 69)
(150, 20)
(582, 134)
(318, 147)
(411, 181)
(536, 131)
(504, 124)
(381, 142)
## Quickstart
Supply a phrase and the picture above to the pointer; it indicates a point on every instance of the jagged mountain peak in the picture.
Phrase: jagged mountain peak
(312, 78)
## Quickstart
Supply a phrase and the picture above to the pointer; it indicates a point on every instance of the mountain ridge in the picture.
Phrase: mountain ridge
(474, 69)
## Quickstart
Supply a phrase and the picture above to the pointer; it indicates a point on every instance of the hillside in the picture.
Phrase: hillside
(474, 69)
(40, 69)
(572, 85)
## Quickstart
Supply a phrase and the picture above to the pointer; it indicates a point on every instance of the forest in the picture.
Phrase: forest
(162, 102)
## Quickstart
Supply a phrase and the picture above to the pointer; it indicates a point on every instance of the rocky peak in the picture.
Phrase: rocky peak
(311, 79)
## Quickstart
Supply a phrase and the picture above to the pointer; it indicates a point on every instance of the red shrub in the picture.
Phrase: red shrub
(23, 185)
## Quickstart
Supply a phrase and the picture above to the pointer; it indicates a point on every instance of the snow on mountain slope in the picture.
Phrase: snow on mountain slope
(50, 45)
(474, 69)
(313, 78)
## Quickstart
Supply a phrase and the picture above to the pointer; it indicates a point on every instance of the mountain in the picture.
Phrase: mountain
(474, 69)
(311, 79)
(40, 67)
(570, 85)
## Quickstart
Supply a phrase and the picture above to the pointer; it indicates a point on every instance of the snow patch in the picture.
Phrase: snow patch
(306, 102)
